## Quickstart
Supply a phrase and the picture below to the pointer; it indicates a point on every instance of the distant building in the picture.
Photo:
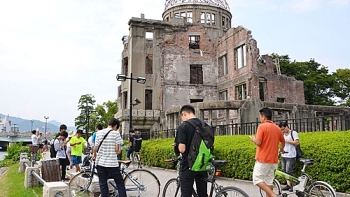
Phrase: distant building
(5, 125)
(194, 55)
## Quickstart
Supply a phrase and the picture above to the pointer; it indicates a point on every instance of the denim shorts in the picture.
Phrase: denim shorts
(76, 160)
(288, 165)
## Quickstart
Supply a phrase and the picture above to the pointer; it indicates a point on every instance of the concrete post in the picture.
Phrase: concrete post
(29, 179)
(54, 188)
(23, 156)
(22, 166)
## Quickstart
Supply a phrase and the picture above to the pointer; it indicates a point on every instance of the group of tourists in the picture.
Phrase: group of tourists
(271, 141)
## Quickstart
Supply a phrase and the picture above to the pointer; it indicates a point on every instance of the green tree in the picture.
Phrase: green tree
(106, 111)
(86, 107)
(318, 84)
(342, 86)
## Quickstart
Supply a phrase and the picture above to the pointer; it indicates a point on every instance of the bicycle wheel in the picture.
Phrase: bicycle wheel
(276, 188)
(141, 182)
(320, 188)
(84, 185)
(172, 188)
(231, 191)
(135, 161)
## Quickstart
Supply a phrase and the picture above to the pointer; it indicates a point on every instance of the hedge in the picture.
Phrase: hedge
(330, 151)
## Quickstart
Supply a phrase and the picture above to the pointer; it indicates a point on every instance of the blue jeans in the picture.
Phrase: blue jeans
(104, 173)
(288, 165)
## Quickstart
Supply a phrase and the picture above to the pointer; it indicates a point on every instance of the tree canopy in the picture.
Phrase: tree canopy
(320, 86)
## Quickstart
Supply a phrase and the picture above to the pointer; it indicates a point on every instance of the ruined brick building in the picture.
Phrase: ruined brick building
(194, 55)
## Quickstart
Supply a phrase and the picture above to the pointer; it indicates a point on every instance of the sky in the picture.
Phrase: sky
(52, 52)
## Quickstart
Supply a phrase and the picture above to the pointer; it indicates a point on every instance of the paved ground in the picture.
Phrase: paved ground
(164, 175)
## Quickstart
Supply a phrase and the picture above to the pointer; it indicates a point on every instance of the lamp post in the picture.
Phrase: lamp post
(46, 117)
(31, 127)
(141, 80)
(87, 112)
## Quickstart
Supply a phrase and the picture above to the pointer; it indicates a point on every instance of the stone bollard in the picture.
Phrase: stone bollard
(22, 166)
(23, 156)
(29, 179)
(53, 188)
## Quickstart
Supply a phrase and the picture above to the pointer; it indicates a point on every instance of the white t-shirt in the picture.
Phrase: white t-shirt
(91, 143)
(290, 148)
(34, 140)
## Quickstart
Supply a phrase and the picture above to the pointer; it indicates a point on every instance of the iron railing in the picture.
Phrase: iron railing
(308, 124)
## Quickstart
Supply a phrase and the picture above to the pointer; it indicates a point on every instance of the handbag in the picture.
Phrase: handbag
(297, 148)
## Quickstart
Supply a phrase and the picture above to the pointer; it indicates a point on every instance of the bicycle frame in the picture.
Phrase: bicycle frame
(300, 181)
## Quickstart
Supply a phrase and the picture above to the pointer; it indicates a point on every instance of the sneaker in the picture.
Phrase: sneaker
(287, 187)
(291, 189)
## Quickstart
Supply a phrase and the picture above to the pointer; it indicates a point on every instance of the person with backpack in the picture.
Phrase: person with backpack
(184, 136)
(289, 157)
(63, 128)
(132, 137)
(60, 147)
(270, 142)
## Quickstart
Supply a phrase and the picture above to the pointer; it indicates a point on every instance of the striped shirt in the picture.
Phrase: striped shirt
(106, 156)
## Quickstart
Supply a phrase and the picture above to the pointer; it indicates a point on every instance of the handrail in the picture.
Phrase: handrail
(36, 175)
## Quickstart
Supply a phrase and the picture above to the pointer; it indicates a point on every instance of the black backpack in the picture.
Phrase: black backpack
(201, 147)
(297, 148)
(53, 152)
(137, 143)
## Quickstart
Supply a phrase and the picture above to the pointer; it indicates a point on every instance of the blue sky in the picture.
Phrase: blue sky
(52, 52)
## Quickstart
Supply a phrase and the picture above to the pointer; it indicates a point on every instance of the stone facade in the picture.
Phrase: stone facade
(193, 55)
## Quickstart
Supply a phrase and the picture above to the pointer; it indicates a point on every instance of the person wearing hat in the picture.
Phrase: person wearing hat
(69, 149)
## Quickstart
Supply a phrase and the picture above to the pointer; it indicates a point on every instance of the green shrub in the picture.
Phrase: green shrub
(328, 149)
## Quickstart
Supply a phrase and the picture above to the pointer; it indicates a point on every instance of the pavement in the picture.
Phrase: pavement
(165, 174)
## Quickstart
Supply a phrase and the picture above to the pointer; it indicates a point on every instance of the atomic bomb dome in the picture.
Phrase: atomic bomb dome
(216, 3)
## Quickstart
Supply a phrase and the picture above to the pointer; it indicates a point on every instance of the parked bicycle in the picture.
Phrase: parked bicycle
(303, 185)
(138, 183)
(172, 187)
(33, 154)
(136, 160)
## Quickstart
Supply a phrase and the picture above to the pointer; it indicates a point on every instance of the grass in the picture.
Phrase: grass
(12, 184)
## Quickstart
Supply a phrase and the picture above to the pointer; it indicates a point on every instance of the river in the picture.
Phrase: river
(2, 155)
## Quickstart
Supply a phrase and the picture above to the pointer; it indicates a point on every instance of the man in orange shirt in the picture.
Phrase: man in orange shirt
(268, 138)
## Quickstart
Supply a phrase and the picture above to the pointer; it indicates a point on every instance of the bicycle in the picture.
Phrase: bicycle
(304, 185)
(138, 182)
(33, 154)
(172, 187)
(136, 160)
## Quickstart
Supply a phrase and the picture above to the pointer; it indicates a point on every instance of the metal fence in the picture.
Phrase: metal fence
(310, 124)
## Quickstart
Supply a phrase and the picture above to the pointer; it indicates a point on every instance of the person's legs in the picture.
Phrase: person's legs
(102, 179)
(186, 182)
(63, 165)
(129, 152)
(115, 174)
(260, 173)
(290, 163)
(77, 166)
(201, 184)
(68, 152)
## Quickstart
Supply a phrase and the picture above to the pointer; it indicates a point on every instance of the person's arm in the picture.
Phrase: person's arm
(57, 144)
(73, 142)
(181, 138)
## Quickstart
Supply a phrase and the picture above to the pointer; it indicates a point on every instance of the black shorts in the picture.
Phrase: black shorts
(41, 145)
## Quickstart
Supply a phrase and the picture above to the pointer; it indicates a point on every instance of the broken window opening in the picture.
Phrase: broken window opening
(241, 92)
(125, 100)
(148, 99)
(223, 21)
(213, 19)
(177, 15)
(227, 23)
(202, 18)
(149, 35)
(125, 66)
(194, 42)
(262, 89)
(189, 17)
(241, 56)
(149, 64)
(196, 74)
(223, 95)
(196, 100)
(223, 65)
(280, 100)
(119, 91)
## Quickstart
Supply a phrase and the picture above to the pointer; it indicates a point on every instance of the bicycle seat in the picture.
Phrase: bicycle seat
(124, 162)
(218, 163)
(306, 161)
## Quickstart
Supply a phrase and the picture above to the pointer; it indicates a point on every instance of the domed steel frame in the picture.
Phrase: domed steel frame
(217, 3)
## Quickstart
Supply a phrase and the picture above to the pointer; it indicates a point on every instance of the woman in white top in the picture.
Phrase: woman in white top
(60, 147)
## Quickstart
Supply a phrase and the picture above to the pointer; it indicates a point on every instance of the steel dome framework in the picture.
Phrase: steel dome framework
(217, 3)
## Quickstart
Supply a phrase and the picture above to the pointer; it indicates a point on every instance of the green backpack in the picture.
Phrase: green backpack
(199, 155)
